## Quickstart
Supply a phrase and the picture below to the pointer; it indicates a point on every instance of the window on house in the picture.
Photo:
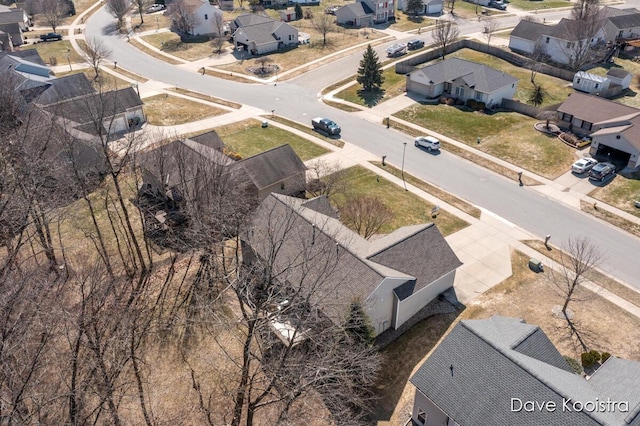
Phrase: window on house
(282, 186)
(422, 417)
(620, 33)
(568, 44)
(547, 40)
(578, 81)
(597, 85)
(206, 16)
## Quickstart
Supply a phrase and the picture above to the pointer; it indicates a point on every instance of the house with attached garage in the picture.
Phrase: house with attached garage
(464, 80)
(429, 7)
(503, 371)
(13, 23)
(621, 23)
(614, 128)
(561, 43)
(393, 277)
(355, 15)
(259, 34)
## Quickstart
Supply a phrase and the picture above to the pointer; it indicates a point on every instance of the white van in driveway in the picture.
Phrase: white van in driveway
(429, 142)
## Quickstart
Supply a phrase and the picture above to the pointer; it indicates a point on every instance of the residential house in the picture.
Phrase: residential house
(259, 34)
(621, 24)
(207, 20)
(614, 128)
(383, 10)
(13, 23)
(278, 170)
(393, 276)
(288, 15)
(106, 114)
(26, 64)
(429, 7)
(503, 371)
(355, 15)
(620, 77)
(464, 80)
(561, 42)
(590, 83)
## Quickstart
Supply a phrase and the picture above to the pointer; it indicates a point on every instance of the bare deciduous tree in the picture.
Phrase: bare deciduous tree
(548, 117)
(444, 34)
(324, 24)
(577, 262)
(325, 178)
(580, 47)
(53, 11)
(182, 19)
(219, 37)
(490, 27)
(97, 52)
(119, 9)
(140, 6)
(263, 61)
(365, 214)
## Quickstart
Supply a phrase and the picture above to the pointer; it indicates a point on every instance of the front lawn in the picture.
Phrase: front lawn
(556, 88)
(249, 138)
(165, 110)
(170, 43)
(53, 52)
(408, 208)
(621, 193)
(507, 135)
(538, 5)
(394, 85)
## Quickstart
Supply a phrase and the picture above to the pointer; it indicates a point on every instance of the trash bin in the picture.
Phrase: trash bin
(535, 265)
(265, 124)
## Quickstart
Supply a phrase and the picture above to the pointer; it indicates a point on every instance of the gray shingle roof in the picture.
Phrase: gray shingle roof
(356, 9)
(210, 139)
(594, 108)
(566, 29)
(353, 275)
(476, 370)
(64, 88)
(258, 28)
(529, 30)
(481, 77)
(625, 21)
(617, 73)
(272, 166)
(12, 16)
(609, 11)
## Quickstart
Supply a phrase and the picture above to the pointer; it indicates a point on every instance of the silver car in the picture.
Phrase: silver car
(583, 165)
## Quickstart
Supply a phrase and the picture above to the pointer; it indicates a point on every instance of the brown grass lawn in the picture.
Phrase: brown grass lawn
(394, 85)
(53, 52)
(165, 110)
(170, 43)
(621, 193)
(106, 82)
(80, 5)
(155, 21)
(524, 295)
(407, 208)
(506, 135)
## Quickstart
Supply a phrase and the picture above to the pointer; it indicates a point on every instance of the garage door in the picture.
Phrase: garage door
(613, 155)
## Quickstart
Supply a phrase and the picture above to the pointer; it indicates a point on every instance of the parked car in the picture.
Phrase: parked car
(397, 49)
(583, 165)
(498, 5)
(156, 8)
(331, 10)
(602, 171)
(428, 142)
(415, 44)
(50, 36)
(326, 125)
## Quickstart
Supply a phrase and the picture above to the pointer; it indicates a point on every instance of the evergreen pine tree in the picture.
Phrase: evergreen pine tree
(298, 10)
(370, 71)
(358, 325)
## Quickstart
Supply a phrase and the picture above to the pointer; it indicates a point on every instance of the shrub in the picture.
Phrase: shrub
(308, 13)
(605, 356)
(589, 359)
(53, 61)
(472, 103)
(574, 364)
(451, 101)
(443, 100)
(481, 106)
(459, 102)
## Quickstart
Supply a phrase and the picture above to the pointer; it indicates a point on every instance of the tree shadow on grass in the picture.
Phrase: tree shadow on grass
(371, 98)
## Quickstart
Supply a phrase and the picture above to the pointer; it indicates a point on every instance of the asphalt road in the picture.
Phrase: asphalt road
(297, 100)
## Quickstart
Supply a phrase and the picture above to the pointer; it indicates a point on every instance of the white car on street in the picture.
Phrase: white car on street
(428, 142)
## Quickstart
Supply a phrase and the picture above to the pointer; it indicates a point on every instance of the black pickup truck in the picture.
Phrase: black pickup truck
(50, 36)
(326, 125)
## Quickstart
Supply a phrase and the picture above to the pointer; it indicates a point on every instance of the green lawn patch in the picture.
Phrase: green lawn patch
(557, 89)
(249, 138)
(165, 110)
(394, 85)
(507, 135)
(538, 5)
(408, 208)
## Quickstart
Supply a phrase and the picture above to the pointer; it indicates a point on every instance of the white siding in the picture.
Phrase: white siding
(522, 45)
(379, 304)
(412, 304)
(621, 144)
(435, 416)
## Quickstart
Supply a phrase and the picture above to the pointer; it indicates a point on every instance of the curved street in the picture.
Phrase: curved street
(297, 100)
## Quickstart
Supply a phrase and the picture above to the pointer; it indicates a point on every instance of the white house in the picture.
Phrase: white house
(207, 18)
(393, 277)
(619, 77)
(260, 34)
(464, 80)
(559, 42)
(590, 83)
(621, 23)
(355, 14)
(430, 7)
(383, 10)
